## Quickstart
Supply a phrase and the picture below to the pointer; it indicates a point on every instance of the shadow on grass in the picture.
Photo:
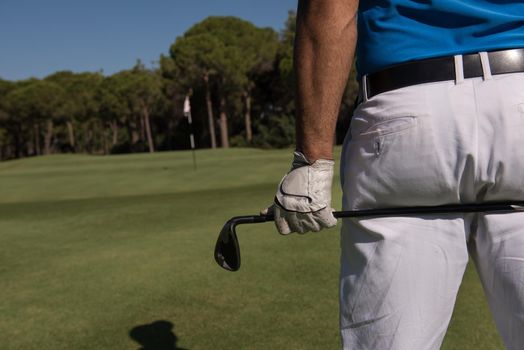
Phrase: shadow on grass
(158, 335)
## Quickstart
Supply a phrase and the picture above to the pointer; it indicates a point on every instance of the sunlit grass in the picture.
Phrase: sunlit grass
(92, 247)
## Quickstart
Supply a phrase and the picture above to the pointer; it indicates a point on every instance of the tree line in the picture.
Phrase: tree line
(238, 77)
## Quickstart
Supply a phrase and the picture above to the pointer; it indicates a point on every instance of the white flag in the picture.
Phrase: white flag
(187, 106)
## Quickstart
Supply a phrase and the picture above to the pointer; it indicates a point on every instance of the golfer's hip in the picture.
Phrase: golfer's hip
(437, 143)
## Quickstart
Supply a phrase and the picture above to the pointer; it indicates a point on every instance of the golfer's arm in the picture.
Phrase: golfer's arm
(324, 49)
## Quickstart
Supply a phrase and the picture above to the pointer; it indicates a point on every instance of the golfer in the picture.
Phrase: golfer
(440, 120)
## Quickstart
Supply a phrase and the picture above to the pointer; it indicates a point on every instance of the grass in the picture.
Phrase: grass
(93, 247)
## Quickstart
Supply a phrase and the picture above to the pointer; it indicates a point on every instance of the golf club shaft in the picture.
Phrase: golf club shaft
(227, 251)
(441, 209)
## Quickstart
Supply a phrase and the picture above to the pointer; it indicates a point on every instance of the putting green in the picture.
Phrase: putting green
(95, 250)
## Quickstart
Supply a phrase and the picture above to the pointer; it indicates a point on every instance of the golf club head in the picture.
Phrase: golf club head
(227, 251)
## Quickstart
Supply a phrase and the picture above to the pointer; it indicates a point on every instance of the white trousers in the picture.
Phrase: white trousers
(432, 144)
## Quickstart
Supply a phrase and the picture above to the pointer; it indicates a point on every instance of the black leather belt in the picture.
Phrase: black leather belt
(442, 69)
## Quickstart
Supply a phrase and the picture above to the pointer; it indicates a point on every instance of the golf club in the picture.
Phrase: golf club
(227, 249)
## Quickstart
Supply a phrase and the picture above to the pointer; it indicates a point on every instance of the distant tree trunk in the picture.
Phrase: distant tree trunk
(210, 118)
(223, 123)
(9, 151)
(114, 129)
(99, 137)
(90, 137)
(132, 130)
(80, 141)
(30, 147)
(16, 141)
(36, 129)
(247, 116)
(30, 142)
(145, 113)
(142, 128)
(48, 136)
(106, 134)
(71, 134)
(169, 136)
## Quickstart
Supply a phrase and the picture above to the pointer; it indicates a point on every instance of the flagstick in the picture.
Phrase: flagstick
(192, 140)
(187, 113)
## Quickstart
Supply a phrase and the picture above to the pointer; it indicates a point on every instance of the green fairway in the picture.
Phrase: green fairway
(93, 247)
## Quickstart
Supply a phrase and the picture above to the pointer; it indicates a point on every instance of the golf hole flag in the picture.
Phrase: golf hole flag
(187, 107)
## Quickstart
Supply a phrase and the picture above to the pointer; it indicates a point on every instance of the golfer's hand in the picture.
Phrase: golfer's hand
(303, 198)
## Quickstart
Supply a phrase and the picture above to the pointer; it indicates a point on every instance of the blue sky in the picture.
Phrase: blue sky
(39, 37)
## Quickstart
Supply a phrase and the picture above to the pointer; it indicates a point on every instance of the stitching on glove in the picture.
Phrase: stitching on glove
(295, 195)
(277, 202)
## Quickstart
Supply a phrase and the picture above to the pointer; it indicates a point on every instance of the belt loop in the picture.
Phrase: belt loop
(364, 88)
(486, 69)
(459, 69)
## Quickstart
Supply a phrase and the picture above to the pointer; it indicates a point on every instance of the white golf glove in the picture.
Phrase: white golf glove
(303, 198)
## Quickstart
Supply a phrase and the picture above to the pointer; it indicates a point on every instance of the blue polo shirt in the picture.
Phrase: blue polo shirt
(396, 31)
